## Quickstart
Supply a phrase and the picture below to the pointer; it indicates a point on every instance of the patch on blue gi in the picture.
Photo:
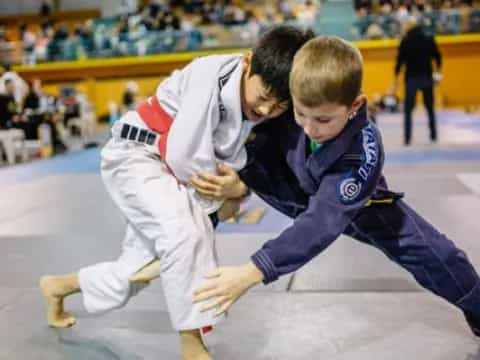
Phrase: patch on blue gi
(350, 186)
(349, 189)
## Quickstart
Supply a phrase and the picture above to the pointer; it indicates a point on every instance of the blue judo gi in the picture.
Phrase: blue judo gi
(340, 189)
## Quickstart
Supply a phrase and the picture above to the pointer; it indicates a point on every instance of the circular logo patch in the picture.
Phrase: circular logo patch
(350, 189)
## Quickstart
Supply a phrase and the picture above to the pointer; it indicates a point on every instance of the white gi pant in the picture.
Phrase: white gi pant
(164, 221)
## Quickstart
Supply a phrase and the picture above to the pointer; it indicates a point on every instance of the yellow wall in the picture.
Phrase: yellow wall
(460, 69)
(106, 91)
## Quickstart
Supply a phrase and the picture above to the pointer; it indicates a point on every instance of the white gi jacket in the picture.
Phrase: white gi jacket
(203, 100)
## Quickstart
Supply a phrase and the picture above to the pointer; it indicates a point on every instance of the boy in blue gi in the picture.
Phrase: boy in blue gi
(326, 172)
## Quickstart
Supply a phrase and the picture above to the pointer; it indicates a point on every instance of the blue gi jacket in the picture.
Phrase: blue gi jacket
(324, 191)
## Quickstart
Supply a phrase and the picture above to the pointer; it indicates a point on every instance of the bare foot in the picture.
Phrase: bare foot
(52, 291)
(146, 274)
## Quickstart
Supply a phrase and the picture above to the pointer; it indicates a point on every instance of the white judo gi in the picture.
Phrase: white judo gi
(165, 217)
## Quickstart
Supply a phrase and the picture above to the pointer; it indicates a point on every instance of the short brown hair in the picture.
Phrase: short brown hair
(326, 69)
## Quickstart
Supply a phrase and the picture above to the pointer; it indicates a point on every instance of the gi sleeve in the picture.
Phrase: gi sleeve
(280, 192)
(190, 144)
(268, 175)
(340, 195)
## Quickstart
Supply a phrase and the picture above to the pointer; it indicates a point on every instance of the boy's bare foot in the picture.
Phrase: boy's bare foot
(54, 291)
(192, 346)
(146, 274)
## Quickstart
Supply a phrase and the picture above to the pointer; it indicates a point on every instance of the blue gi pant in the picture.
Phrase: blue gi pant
(414, 244)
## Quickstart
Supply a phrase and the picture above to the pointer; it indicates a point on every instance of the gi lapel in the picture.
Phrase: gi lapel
(320, 161)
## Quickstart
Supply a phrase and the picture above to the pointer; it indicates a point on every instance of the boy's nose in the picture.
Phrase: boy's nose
(308, 128)
(265, 109)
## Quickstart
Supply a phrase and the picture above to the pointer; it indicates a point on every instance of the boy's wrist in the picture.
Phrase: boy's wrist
(255, 276)
(242, 190)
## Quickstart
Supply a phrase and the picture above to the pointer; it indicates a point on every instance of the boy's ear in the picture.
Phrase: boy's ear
(358, 103)
(246, 61)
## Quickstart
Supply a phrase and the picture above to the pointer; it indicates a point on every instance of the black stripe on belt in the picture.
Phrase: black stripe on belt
(134, 133)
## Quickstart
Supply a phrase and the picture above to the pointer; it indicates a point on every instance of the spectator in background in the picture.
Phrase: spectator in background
(45, 9)
(28, 44)
(19, 85)
(69, 105)
(3, 35)
(417, 51)
(43, 40)
(10, 114)
(8, 105)
(129, 97)
(37, 109)
(168, 21)
(34, 96)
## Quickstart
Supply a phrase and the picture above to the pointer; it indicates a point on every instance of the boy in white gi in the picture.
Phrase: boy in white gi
(200, 116)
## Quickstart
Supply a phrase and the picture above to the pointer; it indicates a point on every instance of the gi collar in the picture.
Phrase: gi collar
(320, 161)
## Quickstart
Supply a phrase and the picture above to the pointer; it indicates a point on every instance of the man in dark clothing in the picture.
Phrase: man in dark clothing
(8, 106)
(416, 51)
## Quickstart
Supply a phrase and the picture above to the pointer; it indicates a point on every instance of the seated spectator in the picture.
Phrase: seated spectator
(68, 105)
(9, 112)
(19, 85)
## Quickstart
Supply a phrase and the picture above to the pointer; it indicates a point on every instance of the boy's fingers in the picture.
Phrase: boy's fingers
(206, 295)
(224, 169)
(198, 183)
(211, 179)
(208, 287)
(223, 309)
(213, 274)
(205, 193)
(214, 304)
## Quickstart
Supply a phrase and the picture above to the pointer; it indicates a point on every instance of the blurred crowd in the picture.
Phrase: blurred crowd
(379, 19)
(159, 26)
(42, 117)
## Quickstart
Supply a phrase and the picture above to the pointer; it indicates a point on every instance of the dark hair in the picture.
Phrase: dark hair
(272, 57)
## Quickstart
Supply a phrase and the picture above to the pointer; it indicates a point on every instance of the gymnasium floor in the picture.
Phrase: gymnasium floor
(350, 303)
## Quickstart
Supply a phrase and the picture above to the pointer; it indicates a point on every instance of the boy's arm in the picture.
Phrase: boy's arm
(436, 55)
(267, 172)
(400, 60)
(325, 219)
(342, 192)
(330, 211)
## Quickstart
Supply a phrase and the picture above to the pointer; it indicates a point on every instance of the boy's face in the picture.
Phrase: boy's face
(258, 104)
(326, 121)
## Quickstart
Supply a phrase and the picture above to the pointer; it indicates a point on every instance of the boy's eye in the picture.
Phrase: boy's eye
(282, 106)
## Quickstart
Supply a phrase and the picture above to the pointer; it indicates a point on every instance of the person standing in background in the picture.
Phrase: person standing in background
(416, 51)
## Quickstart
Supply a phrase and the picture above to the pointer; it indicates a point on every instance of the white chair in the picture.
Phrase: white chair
(13, 140)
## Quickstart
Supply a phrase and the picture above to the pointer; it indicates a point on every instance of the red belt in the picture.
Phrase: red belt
(156, 119)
